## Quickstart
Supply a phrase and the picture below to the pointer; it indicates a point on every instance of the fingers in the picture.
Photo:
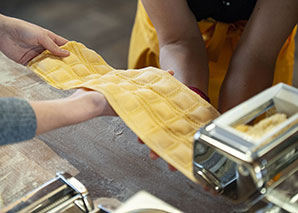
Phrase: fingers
(172, 168)
(29, 55)
(49, 44)
(59, 40)
(153, 155)
(170, 72)
(140, 141)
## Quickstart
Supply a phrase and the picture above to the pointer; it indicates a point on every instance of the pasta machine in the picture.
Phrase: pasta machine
(257, 170)
(64, 193)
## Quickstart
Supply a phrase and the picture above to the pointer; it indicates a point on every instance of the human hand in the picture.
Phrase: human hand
(81, 106)
(21, 41)
(155, 156)
(94, 101)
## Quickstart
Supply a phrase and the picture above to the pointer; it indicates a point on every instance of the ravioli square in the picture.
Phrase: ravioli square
(143, 121)
(183, 154)
(162, 140)
(111, 78)
(48, 64)
(163, 111)
(71, 59)
(91, 56)
(127, 86)
(129, 101)
(60, 75)
(165, 86)
(101, 69)
(182, 127)
(81, 70)
(110, 88)
(148, 95)
(203, 114)
(146, 78)
(183, 101)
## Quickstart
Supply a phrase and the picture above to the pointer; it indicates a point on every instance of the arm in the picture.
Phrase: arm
(81, 106)
(21, 120)
(21, 41)
(180, 41)
(252, 66)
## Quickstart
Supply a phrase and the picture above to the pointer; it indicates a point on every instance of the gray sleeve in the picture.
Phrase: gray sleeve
(17, 120)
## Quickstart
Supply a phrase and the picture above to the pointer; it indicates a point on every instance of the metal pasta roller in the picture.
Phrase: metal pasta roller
(250, 153)
(61, 194)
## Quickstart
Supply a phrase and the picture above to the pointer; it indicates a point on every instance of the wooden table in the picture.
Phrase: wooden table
(102, 153)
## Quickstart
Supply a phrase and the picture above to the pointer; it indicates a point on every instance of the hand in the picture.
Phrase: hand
(81, 106)
(22, 41)
(155, 156)
(94, 101)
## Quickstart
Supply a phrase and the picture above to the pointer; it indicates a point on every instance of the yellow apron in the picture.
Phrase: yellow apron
(220, 40)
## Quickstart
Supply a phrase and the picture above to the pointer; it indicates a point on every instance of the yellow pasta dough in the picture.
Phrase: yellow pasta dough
(262, 127)
(162, 111)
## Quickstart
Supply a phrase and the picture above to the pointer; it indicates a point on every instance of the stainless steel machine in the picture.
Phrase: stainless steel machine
(249, 170)
(61, 194)
(66, 194)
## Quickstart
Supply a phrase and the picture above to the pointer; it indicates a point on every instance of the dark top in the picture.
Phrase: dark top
(17, 120)
(222, 10)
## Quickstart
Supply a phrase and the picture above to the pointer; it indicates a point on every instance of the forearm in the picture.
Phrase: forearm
(8, 26)
(3, 26)
(54, 114)
(180, 41)
(21, 120)
(244, 80)
(253, 63)
(188, 59)
(68, 111)
(17, 120)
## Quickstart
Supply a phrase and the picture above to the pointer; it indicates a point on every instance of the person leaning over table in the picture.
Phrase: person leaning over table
(227, 49)
(20, 119)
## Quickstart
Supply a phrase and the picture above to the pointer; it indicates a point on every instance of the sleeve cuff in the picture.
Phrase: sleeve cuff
(17, 120)
(199, 92)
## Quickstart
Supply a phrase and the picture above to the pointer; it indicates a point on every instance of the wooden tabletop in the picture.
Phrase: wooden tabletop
(102, 153)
